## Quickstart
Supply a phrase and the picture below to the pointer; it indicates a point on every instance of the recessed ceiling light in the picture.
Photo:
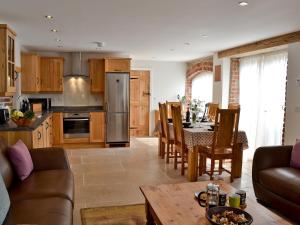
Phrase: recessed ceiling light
(54, 30)
(187, 43)
(58, 40)
(204, 36)
(49, 17)
(243, 3)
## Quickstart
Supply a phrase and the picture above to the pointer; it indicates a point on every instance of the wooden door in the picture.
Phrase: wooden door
(57, 128)
(30, 66)
(97, 75)
(97, 127)
(52, 69)
(139, 102)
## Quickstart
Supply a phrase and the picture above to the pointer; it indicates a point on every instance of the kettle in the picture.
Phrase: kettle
(4, 115)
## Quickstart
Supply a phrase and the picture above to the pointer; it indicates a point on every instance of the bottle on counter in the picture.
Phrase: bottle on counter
(187, 115)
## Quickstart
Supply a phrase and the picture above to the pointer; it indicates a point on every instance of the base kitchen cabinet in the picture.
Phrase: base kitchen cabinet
(97, 127)
(57, 128)
(40, 137)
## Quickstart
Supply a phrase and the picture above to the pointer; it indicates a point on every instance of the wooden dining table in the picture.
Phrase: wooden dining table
(201, 134)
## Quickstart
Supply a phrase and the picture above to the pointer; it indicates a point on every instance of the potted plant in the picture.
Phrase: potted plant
(22, 119)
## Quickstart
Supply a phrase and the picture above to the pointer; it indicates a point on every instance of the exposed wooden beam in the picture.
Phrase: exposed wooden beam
(267, 43)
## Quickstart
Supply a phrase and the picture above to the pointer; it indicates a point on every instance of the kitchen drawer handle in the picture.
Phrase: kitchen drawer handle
(39, 135)
(79, 119)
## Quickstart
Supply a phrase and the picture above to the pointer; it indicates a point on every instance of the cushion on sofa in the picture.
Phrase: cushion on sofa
(45, 183)
(283, 181)
(6, 169)
(20, 157)
(295, 157)
(4, 200)
(42, 211)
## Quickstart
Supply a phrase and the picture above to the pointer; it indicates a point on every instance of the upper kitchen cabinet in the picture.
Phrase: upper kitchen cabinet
(97, 75)
(7, 61)
(52, 71)
(117, 65)
(30, 66)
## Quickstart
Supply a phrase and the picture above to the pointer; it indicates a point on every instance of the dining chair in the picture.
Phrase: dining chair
(169, 111)
(224, 141)
(211, 111)
(180, 147)
(166, 137)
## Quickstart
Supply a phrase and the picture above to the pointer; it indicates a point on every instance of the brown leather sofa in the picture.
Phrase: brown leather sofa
(46, 197)
(275, 183)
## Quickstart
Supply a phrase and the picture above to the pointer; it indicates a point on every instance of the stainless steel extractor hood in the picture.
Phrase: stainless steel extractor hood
(77, 66)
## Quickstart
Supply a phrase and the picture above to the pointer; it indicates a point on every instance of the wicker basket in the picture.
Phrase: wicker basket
(22, 122)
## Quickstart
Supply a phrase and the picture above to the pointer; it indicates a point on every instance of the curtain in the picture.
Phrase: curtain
(262, 98)
(202, 87)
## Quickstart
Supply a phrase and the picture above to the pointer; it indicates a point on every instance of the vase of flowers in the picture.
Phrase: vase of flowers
(196, 108)
(22, 119)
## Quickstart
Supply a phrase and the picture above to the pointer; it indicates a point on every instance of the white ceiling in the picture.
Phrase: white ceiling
(148, 29)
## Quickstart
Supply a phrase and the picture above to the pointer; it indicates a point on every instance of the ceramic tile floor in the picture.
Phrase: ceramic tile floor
(112, 176)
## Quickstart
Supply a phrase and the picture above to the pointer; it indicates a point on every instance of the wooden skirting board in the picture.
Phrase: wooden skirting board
(263, 44)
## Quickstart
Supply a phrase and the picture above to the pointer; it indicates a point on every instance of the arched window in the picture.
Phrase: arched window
(202, 87)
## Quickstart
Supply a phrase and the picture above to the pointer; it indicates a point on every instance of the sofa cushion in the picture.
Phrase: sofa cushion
(47, 183)
(6, 169)
(4, 200)
(20, 157)
(42, 211)
(283, 181)
(295, 157)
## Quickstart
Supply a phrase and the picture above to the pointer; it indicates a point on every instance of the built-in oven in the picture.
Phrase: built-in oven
(76, 125)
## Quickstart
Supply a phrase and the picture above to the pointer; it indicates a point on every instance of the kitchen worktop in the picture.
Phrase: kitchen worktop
(77, 109)
(11, 126)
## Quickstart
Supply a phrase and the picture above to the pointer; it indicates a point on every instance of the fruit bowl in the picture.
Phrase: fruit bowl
(22, 122)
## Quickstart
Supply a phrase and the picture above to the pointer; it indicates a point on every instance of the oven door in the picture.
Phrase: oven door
(76, 127)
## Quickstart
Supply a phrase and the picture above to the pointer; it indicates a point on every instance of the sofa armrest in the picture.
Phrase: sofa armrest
(49, 159)
(270, 157)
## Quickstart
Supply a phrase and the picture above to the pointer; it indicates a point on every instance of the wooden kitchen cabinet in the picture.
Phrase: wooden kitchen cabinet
(97, 75)
(117, 65)
(47, 132)
(52, 71)
(37, 137)
(57, 128)
(30, 66)
(7, 61)
(97, 127)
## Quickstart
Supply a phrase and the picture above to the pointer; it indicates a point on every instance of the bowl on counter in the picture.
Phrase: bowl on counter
(186, 124)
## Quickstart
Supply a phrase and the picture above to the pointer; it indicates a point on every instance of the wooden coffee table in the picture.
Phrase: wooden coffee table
(171, 204)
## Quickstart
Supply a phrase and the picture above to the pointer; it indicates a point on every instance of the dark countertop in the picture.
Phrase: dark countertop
(77, 109)
(11, 126)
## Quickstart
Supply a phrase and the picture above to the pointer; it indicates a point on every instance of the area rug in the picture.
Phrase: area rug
(114, 215)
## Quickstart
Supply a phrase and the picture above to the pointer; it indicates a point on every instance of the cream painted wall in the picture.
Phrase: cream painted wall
(167, 80)
(293, 95)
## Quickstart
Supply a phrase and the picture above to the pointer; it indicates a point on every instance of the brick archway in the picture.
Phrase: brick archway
(193, 71)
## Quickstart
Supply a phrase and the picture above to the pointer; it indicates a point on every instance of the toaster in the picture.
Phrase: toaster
(4, 116)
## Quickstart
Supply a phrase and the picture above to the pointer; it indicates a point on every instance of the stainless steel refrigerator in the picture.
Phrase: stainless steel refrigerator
(117, 107)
